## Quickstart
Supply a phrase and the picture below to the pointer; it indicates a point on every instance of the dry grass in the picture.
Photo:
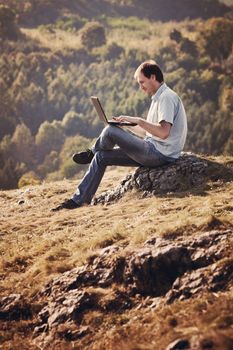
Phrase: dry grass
(37, 245)
(59, 40)
(153, 36)
(140, 34)
(151, 329)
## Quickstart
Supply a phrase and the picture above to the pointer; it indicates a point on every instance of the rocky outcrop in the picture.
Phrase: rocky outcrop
(162, 271)
(187, 172)
(14, 307)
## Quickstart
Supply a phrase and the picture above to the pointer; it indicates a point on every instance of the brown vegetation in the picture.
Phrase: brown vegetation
(38, 245)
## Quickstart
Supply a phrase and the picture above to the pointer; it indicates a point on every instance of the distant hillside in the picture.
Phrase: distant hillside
(32, 13)
(227, 2)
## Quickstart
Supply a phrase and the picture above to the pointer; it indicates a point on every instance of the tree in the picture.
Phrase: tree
(226, 99)
(72, 145)
(8, 176)
(176, 35)
(216, 38)
(50, 164)
(24, 145)
(185, 44)
(49, 138)
(93, 35)
(73, 123)
(8, 27)
(113, 51)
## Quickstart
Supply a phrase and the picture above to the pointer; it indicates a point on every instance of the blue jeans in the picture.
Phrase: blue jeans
(116, 146)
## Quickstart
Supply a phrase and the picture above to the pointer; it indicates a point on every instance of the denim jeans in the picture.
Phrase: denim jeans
(116, 146)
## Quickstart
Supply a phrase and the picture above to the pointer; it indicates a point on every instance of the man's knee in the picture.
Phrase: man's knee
(112, 132)
(103, 158)
(99, 156)
(108, 130)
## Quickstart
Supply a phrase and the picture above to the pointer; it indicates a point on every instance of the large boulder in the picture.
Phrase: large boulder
(187, 172)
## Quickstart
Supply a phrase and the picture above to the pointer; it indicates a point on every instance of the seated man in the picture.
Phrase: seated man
(156, 141)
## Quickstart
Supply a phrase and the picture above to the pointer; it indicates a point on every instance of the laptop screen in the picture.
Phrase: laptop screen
(99, 109)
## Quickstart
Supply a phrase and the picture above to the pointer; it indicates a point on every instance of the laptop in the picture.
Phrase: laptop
(102, 115)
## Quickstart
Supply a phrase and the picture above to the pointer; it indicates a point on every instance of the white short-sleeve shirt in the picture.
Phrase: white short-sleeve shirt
(166, 105)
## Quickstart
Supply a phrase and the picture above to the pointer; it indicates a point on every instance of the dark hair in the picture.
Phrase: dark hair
(149, 68)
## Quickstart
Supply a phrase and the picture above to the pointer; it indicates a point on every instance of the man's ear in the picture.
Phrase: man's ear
(153, 77)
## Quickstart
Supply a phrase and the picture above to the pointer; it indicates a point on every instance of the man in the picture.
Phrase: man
(156, 141)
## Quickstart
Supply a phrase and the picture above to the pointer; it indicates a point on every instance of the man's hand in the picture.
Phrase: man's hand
(135, 129)
(161, 130)
(127, 118)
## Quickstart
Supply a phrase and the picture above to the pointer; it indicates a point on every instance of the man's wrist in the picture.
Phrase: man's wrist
(140, 121)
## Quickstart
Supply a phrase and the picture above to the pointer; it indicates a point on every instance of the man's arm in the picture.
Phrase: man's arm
(137, 130)
(161, 130)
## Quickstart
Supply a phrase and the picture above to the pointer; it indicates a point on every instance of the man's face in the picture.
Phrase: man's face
(148, 85)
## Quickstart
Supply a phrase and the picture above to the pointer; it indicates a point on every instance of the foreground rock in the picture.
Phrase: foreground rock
(188, 171)
(14, 307)
(163, 271)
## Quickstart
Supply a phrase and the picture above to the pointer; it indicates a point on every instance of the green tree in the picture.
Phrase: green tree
(24, 145)
(74, 123)
(72, 145)
(50, 137)
(50, 164)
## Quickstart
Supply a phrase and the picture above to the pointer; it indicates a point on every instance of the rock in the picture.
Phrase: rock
(186, 172)
(201, 280)
(162, 271)
(207, 344)
(70, 334)
(152, 272)
(179, 344)
(14, 307)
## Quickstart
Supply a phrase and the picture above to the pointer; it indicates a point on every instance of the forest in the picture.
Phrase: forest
(55, 56)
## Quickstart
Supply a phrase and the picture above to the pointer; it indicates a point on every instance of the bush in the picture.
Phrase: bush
(216, 38)
(72, 145)
(74, 123)
(113, 51)
(8, 28)
(28, 179)
(49, 138)
(93, 35)
(50, 164)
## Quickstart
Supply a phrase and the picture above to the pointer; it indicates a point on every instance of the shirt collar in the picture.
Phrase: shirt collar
(155, 97)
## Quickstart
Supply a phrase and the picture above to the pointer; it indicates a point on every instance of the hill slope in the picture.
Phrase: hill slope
(33, 13)
(102, 307)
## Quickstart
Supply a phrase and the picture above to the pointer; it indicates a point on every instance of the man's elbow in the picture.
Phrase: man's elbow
(165, 135)
(165, 130)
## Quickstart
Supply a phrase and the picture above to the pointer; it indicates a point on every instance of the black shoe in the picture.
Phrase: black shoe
(84, 157)
(68, 204)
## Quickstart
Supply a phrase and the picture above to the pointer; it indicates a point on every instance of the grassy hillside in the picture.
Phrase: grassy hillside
(38, 245)
(227, 2)
(32, 13)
